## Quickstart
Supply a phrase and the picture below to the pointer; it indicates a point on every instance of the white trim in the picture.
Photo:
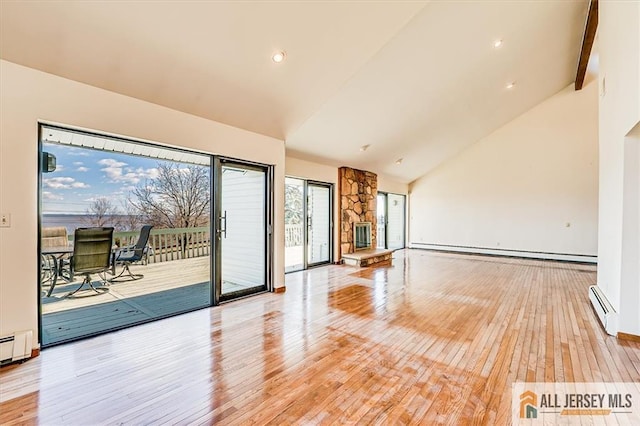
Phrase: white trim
(510, 253)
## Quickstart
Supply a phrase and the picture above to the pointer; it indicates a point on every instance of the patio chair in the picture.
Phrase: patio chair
(51, 263)
(55, 236)
(91, 255)
(131, 254)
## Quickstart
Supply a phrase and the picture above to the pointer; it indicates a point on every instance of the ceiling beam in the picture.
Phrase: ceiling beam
(587, 43)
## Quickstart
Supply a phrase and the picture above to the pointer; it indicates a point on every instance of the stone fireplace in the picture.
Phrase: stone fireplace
(358, 192)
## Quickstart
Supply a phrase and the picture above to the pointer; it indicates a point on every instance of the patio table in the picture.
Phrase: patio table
(57, 255)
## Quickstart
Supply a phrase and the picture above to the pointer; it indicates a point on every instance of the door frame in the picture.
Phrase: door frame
(305, 238)
(305, 213)
(215, 162)
(68, 128)
(386, 219)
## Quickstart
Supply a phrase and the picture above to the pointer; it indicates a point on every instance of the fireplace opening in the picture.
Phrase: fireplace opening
(362, 235)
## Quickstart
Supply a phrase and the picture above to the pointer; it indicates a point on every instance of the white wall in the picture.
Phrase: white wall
(26, 96)
(323, 173)
(630, 268)
(518, 188)
(387, 184)
(310, 170)
(619, 38)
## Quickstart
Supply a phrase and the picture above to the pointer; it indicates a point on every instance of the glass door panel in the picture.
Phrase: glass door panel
(294, 225)
(381, 213)
(318, 223)
(395, 221)
(242, 230)
(95, 181)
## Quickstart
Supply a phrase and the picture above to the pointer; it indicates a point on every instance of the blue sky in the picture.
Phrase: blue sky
(82, 175)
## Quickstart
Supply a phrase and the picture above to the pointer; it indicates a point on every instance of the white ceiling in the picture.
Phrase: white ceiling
(414, 80)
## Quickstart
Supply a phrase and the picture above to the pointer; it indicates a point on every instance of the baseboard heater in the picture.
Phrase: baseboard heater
(567, 257)
(606, 314)
(16, 347)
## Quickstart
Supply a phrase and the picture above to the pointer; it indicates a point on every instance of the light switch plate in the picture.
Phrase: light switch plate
(5, 220)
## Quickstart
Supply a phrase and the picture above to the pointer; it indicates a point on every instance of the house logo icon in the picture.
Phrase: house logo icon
(528, 405)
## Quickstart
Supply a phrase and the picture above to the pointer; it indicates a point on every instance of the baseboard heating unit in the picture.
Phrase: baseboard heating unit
(15, 347)
(606, 314)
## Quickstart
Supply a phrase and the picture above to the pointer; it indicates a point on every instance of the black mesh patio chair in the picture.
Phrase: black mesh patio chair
(128, 255)
(91, 255)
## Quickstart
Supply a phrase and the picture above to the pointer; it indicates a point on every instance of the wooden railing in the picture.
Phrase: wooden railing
(183, 243)
(169, 243)
(293, 235)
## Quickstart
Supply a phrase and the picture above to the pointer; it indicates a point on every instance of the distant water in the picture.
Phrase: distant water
(73, 221)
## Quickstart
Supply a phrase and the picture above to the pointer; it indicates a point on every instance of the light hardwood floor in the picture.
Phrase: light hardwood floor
(434, 339)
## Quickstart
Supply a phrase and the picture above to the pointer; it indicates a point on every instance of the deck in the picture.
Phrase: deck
(166, 288)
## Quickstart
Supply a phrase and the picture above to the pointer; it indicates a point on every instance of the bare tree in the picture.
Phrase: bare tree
(131, 220)
(101, 212)
(178, 197)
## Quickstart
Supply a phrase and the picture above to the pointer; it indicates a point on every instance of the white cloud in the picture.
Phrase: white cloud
(82, 169)
(110, 162)
(151, 173)
(115, 170)
(78, 163)
(63, 183)
(46, 195)
(78, 153)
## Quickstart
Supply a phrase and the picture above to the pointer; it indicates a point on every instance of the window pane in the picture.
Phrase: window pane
(93, 182)
(395, 221)
(319, 206)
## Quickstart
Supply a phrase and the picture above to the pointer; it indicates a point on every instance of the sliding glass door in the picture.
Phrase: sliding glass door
(308, 224)
(155, 202)
(318, 223)
(390, 220)
(242, 229)
(179, 231)
(381, 228)
(395, 221)
(294, 220)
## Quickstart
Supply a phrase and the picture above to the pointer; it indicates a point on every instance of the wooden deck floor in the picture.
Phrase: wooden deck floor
(167, 287)
(433, 339)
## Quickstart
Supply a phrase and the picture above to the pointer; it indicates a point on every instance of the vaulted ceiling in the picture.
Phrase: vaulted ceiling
(413, 80)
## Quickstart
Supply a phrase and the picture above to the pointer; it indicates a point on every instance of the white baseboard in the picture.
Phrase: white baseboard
(510, 253)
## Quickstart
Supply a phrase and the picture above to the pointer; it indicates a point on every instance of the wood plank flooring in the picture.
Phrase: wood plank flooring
(435, 338)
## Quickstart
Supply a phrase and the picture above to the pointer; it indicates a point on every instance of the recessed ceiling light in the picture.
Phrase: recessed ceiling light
(511, 85)
(399, 161)
(363, 148)
(278, 57)
(497, 43)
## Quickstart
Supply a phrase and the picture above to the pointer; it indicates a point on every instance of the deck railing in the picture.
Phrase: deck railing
(182, 243)
(168, 244)
(293, 235)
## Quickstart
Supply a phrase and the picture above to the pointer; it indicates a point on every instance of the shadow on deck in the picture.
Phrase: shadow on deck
(166, 289)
